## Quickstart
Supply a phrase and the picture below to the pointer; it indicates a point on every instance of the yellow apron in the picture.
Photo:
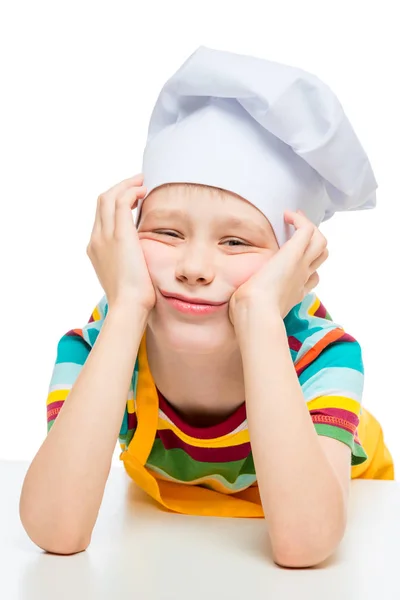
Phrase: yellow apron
(195, 500)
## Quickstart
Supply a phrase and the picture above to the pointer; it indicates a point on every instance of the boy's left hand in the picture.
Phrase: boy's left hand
(288, 276)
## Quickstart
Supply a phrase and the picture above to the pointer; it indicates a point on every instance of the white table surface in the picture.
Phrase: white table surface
(139, 551)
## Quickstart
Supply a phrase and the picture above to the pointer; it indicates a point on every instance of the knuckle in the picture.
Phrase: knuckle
(103, 199)
(315, 279)
(121, 200)
(119, 239)
(93, 244)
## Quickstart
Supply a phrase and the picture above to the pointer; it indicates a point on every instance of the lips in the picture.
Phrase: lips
(191, 300)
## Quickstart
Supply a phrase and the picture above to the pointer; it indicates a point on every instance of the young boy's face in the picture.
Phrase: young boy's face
(200, 242)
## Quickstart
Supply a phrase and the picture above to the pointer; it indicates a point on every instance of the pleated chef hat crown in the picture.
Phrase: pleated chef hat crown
(272, 133)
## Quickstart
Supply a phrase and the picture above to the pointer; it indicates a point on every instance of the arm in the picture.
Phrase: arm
(64, 485)
(302, 495)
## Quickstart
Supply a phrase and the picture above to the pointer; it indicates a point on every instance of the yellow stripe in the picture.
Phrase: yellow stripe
(335, 402)
(96, 314)
(242, 437)
(314, 307)
(57, 395)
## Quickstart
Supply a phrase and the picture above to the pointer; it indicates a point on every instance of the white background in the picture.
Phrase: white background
(79, 81)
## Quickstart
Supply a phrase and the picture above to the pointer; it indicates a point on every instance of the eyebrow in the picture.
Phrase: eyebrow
(229, 222)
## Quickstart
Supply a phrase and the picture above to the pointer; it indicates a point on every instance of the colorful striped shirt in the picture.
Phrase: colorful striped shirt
(219, 457)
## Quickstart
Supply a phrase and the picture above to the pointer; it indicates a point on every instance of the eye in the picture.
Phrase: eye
(238, 242)
(165, 232)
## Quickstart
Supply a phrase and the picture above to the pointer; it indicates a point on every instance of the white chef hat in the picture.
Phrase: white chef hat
(272, 133)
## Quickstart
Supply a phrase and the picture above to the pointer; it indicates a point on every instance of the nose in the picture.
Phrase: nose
(195, 265)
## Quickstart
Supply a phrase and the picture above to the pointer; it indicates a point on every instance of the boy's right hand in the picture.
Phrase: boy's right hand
(114, 248)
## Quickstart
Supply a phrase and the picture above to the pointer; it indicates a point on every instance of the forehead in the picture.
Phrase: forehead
(196, 199)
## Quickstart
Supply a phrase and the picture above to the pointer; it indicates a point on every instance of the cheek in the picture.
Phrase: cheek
(156, 257)
(244, 266)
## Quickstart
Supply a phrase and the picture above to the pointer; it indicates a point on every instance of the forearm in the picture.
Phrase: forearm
(300, 492)
(65, 482)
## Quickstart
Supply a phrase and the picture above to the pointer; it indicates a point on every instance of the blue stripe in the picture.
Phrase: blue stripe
(336, 381)
(65, 374)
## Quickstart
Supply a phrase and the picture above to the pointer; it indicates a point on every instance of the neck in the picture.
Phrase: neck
(196, 382)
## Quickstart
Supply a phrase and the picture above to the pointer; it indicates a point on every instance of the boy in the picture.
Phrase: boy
(218, 344)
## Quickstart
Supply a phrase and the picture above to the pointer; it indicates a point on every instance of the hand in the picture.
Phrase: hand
(289, 275)
(114, 248)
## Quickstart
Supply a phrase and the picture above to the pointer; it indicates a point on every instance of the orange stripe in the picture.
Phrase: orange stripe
(313, 352)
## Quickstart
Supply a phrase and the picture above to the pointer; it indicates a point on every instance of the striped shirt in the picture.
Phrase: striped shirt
(219, 457)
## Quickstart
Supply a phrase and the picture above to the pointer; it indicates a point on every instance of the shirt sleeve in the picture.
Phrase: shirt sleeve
(332, 386)
(72, 352)
(73, 348)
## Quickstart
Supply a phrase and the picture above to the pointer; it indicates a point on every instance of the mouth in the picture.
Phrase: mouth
(188, 300)
(192, 306)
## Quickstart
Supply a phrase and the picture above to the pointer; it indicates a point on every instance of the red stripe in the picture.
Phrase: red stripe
(294, 343)
(321, 311)
(53, 409)
(132, 420)
(212, 455)
(341, 413)
(337, 418)
(204, 433)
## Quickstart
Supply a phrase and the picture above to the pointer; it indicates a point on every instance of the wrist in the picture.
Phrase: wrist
(128, 309)
(253, 319)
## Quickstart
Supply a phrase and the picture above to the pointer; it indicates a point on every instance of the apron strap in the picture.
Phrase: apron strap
(146, 410)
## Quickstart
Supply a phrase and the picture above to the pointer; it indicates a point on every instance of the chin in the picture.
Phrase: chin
(193, 335)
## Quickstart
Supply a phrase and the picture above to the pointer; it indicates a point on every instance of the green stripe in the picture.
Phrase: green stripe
(358, 455)
(180, 465)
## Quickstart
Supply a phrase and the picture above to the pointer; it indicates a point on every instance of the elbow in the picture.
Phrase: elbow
(307, 551)
(59, 544)
(65, 549)
(301, 559)
(56, 540)
(64, 546)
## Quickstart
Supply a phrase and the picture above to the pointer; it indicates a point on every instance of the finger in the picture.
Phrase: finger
(123, 211)
(96, 231)
(107, 212)
(317, 242)
(107, 215)
(312, 282)
(297, 218)
(299, 222)
(303, 234)
(119, 188)
(316, 248)
(320, 260)
(108, 204)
